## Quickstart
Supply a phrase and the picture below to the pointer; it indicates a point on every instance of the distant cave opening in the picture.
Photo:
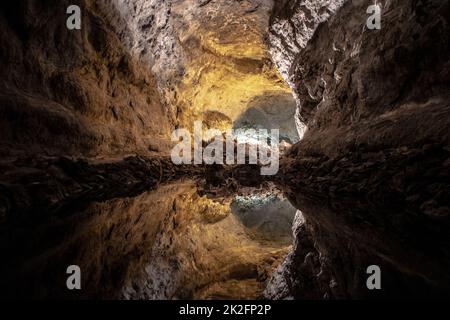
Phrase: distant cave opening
(272, 110)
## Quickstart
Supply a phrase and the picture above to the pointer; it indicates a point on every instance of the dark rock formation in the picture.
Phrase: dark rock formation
(371, 173)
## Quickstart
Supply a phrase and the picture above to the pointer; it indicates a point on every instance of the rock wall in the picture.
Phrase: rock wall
(292, 25)
(135, 71)
(74, 92)
(371, 173)
(210, 58)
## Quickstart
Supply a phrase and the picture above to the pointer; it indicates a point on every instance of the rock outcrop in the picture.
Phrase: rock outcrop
(371, 173)
(73, 92)
(208, 57)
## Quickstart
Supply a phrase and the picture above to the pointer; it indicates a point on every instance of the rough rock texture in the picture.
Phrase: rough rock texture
(292, 25)
(148, 30)
(371, 173)
(208, 57)
(135, 71)
(73, 92)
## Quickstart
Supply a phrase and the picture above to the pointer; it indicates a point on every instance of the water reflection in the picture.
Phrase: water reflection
(267, 216)
(167, 243)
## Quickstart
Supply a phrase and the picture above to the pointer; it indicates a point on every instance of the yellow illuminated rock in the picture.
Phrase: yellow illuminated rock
(225, 69)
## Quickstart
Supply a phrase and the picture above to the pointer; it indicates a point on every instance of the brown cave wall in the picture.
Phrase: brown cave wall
(135, 71)
(370, 175)
(76, 92)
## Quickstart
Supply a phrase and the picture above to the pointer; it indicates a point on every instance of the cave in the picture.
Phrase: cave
(88, 177)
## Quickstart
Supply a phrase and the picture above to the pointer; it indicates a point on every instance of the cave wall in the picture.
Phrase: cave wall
(135, 71)
(292, 24)
(210, 58)
(370, 174)
(76, 92)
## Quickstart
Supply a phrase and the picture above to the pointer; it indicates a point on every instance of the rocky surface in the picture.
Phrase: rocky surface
(135, 71)
(76, 92)
(208, 57)
(292, 24)
(371, 173)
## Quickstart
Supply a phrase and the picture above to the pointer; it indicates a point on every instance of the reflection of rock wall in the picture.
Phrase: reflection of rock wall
(268, 216)
(166, 243)
(202, 251)
(370, 174)
(107, 240)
